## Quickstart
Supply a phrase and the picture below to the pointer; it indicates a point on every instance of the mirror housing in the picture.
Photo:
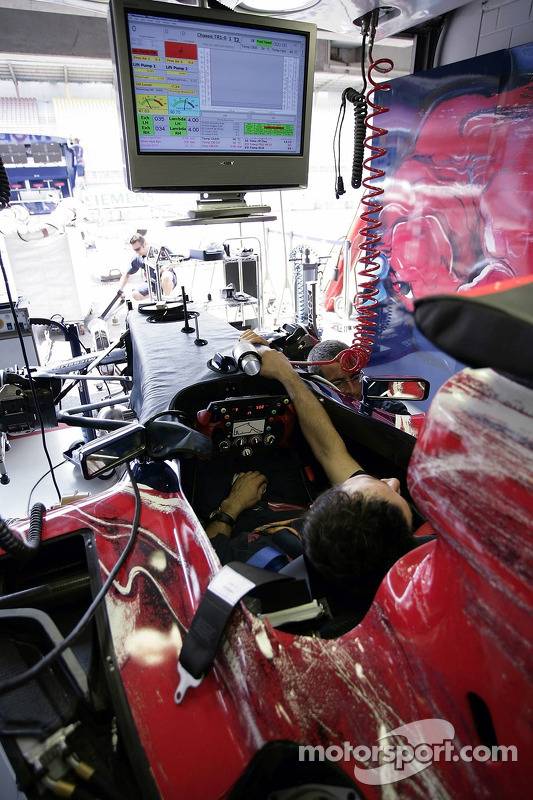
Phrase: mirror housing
(386, 387)
(107, 452)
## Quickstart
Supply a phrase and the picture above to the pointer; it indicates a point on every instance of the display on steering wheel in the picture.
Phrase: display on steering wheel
(247, 425)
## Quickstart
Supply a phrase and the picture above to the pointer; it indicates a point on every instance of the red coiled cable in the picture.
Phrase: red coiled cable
(356, 357)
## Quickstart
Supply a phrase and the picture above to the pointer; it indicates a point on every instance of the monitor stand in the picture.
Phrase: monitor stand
(213, 205)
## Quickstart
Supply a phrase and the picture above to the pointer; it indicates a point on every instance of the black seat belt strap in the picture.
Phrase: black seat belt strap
(200, 645)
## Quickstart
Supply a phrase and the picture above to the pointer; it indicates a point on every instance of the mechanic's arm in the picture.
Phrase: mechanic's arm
(123, 281)
(247, 489)
(316, 426)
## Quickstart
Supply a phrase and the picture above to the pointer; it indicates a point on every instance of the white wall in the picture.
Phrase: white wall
(485, 26)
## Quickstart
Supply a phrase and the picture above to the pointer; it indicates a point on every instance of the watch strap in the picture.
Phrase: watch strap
(220, 516)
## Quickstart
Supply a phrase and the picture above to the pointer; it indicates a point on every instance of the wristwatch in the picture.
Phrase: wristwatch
(220, 516)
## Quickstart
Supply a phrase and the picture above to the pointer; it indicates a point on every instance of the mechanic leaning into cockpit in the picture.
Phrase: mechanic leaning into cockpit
(352, 534)
(327, 350)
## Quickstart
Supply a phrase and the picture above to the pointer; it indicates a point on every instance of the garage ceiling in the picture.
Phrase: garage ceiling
(67, 40)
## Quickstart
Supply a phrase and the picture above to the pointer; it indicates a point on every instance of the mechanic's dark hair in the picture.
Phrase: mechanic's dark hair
(137, 237)
(325, 351)
(354, 539)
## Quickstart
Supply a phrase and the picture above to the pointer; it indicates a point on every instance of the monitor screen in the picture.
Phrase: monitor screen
(212, 100)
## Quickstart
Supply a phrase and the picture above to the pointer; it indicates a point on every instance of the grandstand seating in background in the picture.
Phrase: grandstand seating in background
(20, 115)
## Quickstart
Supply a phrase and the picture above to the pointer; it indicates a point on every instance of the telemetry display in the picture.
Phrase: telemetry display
(248, 427)
(220, 88)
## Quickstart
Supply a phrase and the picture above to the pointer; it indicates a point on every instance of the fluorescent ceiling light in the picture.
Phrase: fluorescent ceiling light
(277, 6)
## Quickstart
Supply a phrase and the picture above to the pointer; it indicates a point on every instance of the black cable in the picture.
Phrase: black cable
(363, 62)
(65, 390)
(30, 377)
(79, 341)
(14, 545)
(19, 680)
(67, 330)
(339, 183)
(5, 187)
(36, 484)
(373, 18)
(360, 112)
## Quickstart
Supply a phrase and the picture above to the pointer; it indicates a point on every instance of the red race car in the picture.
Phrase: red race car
(183, 679)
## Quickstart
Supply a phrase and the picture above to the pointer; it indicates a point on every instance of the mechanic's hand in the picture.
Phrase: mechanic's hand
(274, 364)
(254, 338)
(248, 488)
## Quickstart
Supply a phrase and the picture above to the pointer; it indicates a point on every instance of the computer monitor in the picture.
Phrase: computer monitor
(212, 101)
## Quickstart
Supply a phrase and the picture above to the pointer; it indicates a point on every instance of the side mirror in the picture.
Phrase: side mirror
(394, 388)
(104, 454)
